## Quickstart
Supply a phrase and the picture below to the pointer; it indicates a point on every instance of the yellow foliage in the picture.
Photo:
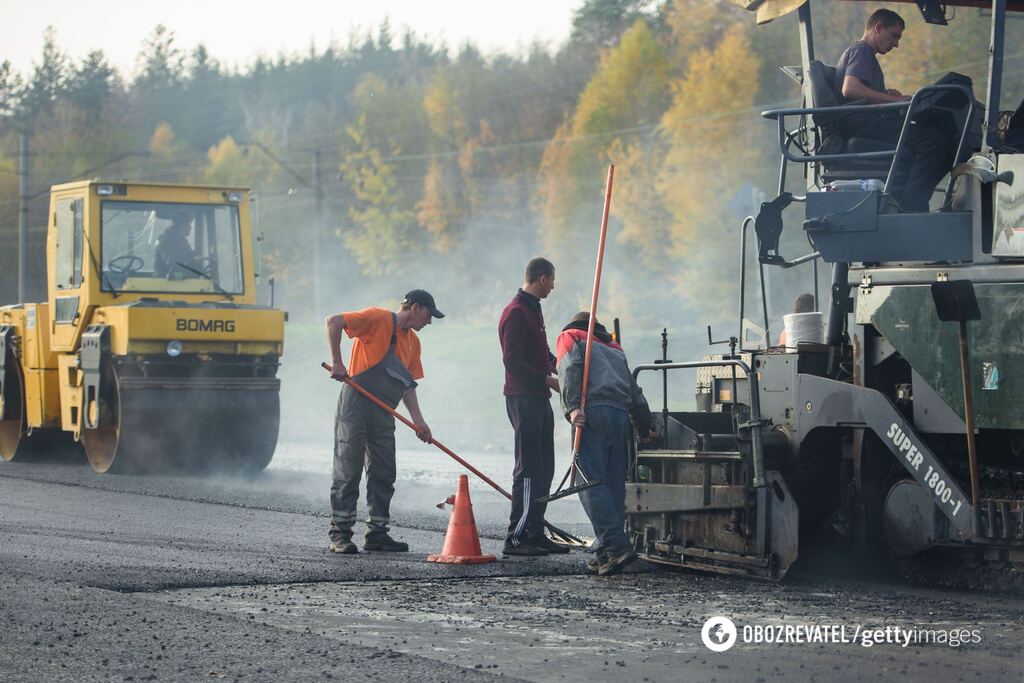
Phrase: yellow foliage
(713, 151)
(224, 152)
(639, 202)
(225, 163)
(383, 233)
(629, 89)
(161, 143)
(699, 24)
(444, 116)
(438, 211)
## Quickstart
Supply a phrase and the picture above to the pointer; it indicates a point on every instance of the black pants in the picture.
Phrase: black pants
(534, 425)
(928, 156)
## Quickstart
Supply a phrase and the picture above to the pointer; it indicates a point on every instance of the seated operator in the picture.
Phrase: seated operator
(859, 76)
(173, 248)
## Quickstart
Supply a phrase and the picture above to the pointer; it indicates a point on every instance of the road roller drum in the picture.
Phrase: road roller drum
(190, 424)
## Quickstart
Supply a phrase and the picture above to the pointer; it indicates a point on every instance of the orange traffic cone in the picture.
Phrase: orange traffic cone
(461, 542)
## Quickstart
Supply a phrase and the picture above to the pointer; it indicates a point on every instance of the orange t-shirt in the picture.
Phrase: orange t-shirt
(371, 329)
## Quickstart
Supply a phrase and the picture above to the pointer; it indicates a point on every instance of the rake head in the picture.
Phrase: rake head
(569, 491)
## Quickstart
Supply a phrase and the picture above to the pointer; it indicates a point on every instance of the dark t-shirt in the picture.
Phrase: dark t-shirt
(171, 249)
(859, 60)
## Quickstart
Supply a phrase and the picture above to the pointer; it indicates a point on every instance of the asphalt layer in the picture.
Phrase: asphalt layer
(304, 492)
(146, 578)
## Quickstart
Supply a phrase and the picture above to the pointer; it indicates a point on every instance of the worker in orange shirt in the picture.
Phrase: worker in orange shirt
(385, 360)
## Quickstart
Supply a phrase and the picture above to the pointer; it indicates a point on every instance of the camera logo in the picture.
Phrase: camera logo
(718, 634)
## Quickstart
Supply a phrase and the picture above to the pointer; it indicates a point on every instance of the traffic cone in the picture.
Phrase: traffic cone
(461, 542)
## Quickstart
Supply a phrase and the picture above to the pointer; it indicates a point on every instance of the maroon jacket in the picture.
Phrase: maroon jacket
(524, 347)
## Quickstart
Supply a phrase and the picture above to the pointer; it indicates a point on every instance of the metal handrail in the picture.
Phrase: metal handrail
(757, 446)
(779, 115)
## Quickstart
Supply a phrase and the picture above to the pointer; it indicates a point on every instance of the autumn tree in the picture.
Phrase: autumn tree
(712, 155)
(383, 225)
(625, 98)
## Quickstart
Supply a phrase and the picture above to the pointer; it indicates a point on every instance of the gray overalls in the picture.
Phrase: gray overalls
(364, 435)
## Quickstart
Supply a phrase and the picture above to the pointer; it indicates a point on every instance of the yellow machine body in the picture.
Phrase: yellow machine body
(151, 302)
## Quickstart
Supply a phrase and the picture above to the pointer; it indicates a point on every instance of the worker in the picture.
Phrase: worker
(385, 360)
(173, 250)
(802, 304)
(613, 396)
(529, 379)
(859, 77)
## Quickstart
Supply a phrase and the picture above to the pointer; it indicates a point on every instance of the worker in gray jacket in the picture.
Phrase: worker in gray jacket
(612, 398)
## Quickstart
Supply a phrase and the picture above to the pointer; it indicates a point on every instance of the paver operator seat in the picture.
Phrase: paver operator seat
(833, 138)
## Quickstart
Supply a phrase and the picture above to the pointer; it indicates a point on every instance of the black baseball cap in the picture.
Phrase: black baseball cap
(423, 298)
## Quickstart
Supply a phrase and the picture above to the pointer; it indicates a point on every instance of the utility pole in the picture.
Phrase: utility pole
(318, 212)
(316, 185)
(23, 219)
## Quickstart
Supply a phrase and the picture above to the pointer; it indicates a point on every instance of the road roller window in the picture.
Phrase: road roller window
(69, 243)
(164, 247)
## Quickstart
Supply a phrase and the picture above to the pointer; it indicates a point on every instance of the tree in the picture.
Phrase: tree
(227, 164)
(626, 96)
(49, 77)
(384, 231)
(213, 111)
(713, 152)
(11, 93)
(160, 64)
(600, 23)
(91, 84)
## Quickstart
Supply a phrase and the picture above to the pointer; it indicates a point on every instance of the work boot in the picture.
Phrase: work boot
(344, 546)
(616, 563)
(524, 549)
(384, 543)
(543, 541)
(594, 563)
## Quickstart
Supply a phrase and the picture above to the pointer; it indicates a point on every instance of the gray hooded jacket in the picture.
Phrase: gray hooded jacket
(610, 383)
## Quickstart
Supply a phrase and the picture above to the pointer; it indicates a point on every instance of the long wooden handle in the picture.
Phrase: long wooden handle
(593, 302)
(384, 406)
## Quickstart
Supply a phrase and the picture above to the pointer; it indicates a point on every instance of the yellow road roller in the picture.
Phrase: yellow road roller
(151, 350)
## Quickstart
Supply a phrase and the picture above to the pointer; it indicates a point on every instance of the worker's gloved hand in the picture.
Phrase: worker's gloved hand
(339, 372)
(423, 431)
(578, 418)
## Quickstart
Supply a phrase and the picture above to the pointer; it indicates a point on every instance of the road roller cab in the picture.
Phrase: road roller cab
(151, 349)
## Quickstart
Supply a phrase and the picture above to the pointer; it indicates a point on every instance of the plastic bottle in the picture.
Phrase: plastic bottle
(862, 185)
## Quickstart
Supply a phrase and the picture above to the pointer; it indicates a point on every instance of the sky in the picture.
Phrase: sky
(236, 32)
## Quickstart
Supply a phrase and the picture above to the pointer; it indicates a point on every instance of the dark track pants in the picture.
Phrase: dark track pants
(534, 425)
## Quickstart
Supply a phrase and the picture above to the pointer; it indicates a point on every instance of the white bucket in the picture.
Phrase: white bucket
(803, 327)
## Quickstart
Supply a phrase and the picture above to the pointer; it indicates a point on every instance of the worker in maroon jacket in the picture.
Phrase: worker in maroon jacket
(529, 379)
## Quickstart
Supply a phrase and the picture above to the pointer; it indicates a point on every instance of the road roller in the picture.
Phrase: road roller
(151, 351)
(887, 431)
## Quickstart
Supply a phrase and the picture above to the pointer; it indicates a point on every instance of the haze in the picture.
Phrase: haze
(235, 32)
